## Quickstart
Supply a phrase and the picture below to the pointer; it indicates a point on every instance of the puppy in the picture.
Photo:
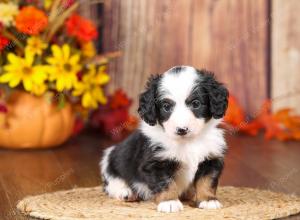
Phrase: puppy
(178, 150)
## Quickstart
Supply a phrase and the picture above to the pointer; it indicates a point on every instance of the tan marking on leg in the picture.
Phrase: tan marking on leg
(171, 193)
(204, 190)
(189, 194)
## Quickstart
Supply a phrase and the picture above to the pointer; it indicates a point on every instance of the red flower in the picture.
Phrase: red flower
(3, 42)
(119, 100)
(78, 126)
(3, 108)
(114, 119)
(81, 28)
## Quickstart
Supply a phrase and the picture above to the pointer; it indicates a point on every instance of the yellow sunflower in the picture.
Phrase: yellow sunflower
(63, 67)
(90, 87)
(35, 46)
(22, 70)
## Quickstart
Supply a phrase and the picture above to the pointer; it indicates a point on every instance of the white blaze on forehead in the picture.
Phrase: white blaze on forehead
(178, 86)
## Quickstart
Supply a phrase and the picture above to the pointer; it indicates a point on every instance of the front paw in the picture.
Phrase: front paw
(170, 206)
(210, 204)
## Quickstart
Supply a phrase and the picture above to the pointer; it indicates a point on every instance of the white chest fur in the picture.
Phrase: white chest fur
(186, 173)
(189, 153)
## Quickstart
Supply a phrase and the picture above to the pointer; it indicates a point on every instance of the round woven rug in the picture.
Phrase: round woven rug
(92, 203)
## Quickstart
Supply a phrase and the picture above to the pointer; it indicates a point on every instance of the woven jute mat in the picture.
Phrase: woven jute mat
(92, 203)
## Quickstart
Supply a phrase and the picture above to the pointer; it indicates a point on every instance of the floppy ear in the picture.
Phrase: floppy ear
(217, 93)
(147, 101)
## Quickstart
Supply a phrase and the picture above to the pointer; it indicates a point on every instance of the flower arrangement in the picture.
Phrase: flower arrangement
(47, 49)
(48, 56)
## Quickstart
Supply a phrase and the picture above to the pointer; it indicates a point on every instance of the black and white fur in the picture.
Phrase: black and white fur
(178, 139)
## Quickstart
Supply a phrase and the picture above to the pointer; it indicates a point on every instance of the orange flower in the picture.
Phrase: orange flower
(31, 20)
(81, 28)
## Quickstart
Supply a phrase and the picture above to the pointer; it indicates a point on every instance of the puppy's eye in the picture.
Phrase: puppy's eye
(166, 107)
(196, 104)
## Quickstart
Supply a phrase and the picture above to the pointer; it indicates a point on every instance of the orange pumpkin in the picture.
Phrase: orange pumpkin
(33, 122)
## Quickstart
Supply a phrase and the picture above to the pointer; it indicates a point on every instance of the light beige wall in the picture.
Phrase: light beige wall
(228, 37)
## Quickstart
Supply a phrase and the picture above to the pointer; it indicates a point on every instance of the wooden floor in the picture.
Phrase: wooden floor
(250, 162)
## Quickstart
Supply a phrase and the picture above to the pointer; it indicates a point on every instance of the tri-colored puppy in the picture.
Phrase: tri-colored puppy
(178, 150)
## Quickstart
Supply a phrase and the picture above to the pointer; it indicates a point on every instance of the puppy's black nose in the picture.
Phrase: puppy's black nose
(182, 131)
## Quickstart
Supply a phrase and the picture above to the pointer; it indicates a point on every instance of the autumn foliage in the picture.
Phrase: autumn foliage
(114, 119)
(282, 125)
